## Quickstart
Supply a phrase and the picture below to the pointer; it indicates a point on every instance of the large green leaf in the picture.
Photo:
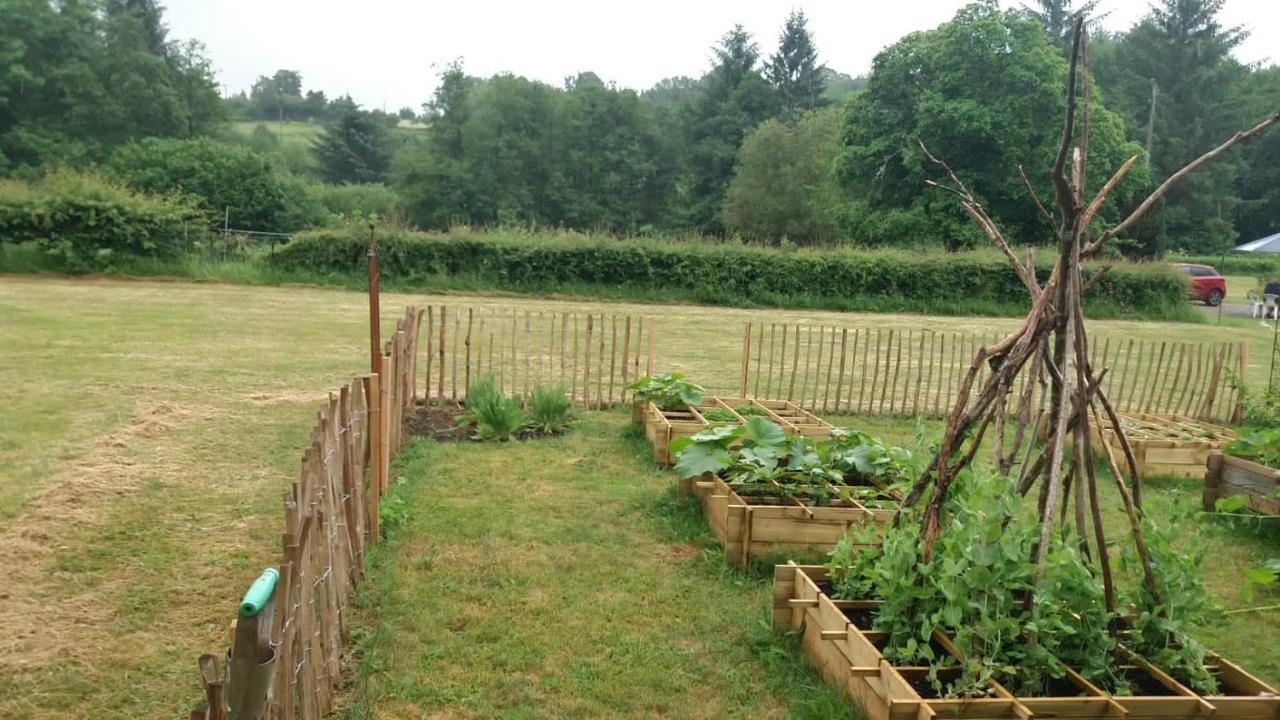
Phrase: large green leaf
(762, 432)
(696, 459)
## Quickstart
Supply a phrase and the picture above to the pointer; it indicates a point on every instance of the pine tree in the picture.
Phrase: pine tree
(793, 70)
(353, 147)
(1057, 15)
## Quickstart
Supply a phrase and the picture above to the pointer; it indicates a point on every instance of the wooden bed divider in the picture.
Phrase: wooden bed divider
(663, 426)
(863, 371)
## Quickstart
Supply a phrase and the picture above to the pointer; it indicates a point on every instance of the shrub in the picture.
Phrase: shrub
(84, 223)
(216, 175)
(498, 417)
(715, 272)
(549, 409)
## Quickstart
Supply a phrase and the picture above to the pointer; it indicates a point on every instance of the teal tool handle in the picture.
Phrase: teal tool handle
(258, 593)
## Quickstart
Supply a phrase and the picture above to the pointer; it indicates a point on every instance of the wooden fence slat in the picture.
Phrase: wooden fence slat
(844, 345)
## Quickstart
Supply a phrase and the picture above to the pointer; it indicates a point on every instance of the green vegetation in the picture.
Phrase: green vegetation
(84, 223)
(549, 410)
(758, 459)
(667, 390)
(985, 132)
(217, 177)
(1261, 446)
(497, 416)
(723, 273)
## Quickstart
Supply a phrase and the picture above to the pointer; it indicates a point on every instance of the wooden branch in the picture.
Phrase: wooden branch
(1061, 188)
(979, 214)
(1044, 212)
(1094, 278)
(1159, 192)
(1107, 187)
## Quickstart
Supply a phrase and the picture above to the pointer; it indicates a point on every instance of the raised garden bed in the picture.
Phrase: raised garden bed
(838, 640)
(751, 524)
(663, 426)
(1172, 445)
(1227, 475)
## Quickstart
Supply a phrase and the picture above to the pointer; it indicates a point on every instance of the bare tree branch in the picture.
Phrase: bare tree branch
(1159, 192)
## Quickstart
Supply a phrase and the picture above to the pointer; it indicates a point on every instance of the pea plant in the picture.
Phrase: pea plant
(667, 390)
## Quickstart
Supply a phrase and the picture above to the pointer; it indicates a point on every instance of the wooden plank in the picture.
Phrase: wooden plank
(626, 352)
(888, 358)
(844, 345)
(795, 362)
(426, 389)
(600, 372)
(586, 371)
(649, 355)
(564, 333)
(759, 347)
(573, 393)
(831, 359)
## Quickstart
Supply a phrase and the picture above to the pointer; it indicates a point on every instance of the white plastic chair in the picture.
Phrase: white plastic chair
(1255, 304)
(1271, 304)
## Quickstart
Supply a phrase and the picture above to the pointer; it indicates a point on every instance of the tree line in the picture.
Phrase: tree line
(769, 148)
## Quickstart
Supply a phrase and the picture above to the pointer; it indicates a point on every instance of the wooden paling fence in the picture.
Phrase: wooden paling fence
(331, 516)
(591, 356)
(918, 372)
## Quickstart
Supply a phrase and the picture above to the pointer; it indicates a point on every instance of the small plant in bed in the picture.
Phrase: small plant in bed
(549, 410)
(667, 390)
(719, 415)
(499, 417)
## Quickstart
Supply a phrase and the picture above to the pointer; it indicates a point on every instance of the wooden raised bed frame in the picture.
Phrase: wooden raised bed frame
(850, 657)
(663, 426)
(1155, 451)
(1227, 475)
(755, 526)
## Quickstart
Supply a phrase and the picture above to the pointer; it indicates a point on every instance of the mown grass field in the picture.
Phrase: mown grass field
(150, 428)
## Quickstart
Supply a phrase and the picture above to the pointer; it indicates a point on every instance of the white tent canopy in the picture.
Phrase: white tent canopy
(1270, 243)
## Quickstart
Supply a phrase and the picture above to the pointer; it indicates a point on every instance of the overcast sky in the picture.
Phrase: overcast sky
(387, 53)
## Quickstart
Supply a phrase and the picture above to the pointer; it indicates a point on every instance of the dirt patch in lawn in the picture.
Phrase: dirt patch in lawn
(438, 423)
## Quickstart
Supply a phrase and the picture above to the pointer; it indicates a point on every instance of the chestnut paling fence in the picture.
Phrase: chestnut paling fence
(291, 632)
(850, 371)
(591, 355)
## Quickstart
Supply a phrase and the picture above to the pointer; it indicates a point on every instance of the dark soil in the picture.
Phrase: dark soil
(439, 424)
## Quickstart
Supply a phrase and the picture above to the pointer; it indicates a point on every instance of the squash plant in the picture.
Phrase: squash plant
(1260, 446)
(758, 459)
(667, 390)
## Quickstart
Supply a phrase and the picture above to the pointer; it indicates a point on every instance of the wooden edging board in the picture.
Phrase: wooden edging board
(663, 426)
(1227, 475)
(849, 656)
(750, 526)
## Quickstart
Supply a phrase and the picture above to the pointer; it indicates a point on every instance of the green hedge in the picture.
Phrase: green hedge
(1251, 264)
(748, 274)
(86, 223)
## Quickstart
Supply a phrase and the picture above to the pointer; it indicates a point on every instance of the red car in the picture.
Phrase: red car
(1207, 285)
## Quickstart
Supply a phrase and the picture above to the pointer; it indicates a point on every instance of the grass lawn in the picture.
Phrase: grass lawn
(150, 428)
(576, 587)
